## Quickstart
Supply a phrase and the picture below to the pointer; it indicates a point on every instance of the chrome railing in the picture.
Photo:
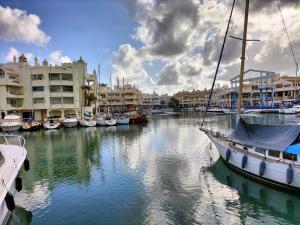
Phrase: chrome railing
(10, 139)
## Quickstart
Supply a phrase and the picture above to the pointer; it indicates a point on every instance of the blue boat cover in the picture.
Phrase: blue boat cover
(293, 149)
(276, 137)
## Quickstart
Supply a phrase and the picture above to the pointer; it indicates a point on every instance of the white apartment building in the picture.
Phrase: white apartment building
(155, 100)
(41, 90)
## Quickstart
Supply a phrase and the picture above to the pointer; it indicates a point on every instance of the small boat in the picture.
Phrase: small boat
(87, 120)
(11, 123)
(200, 108)
(296, 108)
(138, 118)
(52, 123)
(218, 110)
(287, 111)
(106, 121)
(70, 121)
(157, 111)
(26, 126)
(12, 158)
(121, 119)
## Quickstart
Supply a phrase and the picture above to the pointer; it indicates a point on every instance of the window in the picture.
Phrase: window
(55, 100)
(38, 100)
(67, 88)
(55, 88)
(67, 76)
(260, 150)
(38, 88)
(37, 77)
(273, 153)
(68, 100)
(54, 76)
(2, 73)
(289, 156)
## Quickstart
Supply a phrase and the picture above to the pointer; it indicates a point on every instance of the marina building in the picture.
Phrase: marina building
(126, 97)
(41, 90)
(192, 98)
(155, 100)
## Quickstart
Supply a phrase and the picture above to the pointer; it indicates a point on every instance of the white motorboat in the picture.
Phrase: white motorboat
(11, 123)
(121, 119)
(70, 121)
(87, 122)
(106, 121)
(157, 111)
(52, 123)
(218, 110)
(12, 157)
(296, 108)
(287, 111)
(200, 108)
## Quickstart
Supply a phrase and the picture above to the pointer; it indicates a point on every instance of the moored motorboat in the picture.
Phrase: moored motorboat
(12, 157)
(287, 111)
(11, 123)
(106, 121)
(52, 123)
(121, 119)
(138, 118)
(70, 121)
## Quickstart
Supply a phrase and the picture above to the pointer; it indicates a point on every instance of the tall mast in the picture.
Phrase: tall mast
(241, 80)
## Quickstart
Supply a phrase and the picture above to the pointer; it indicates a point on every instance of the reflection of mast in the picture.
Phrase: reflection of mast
(123, 95)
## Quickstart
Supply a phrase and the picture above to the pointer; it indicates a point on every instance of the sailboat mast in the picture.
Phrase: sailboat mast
(241, 80)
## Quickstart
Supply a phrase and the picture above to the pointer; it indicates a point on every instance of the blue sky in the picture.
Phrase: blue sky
(160, 45)
(91, 29)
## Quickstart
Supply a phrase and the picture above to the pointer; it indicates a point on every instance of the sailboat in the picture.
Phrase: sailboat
(267, 153)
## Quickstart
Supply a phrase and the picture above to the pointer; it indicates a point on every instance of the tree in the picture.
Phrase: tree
(173, 102)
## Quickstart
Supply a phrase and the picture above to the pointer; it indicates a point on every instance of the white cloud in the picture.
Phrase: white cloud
(56, 58)
(18, 26)
(128, 64)
(14, 52)
(186, 37)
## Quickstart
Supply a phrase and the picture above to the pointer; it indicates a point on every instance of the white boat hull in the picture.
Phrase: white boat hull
(103, 122)
(51, 126)
(11, 128)
(287, 111)
(70, 123)
(123, 121)
(275, 172)
(86, 123)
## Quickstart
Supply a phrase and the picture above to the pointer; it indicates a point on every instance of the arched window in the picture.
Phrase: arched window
(2, 73)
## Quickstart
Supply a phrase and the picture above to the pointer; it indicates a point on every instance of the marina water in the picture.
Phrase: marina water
(161, 173)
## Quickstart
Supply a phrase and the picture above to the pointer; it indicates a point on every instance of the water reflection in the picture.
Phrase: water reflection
(160, 173)
(257, 197)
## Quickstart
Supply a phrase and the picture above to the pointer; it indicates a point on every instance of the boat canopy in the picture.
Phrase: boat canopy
(275, 137)
(293, 149)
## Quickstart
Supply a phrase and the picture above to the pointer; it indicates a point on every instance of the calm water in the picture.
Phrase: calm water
(162, 173)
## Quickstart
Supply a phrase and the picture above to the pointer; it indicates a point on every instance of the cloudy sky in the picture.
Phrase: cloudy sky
(160, 45)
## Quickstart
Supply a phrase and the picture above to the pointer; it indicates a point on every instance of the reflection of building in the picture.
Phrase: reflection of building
(127, 97)
(192, 98)
(155, 101)
(41, 89)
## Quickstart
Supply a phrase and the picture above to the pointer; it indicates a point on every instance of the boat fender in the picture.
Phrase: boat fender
(10, 202)
(244, 161)
(289, 174)
(18, 184)
(228, 154)
(26, 164)
(262, 168)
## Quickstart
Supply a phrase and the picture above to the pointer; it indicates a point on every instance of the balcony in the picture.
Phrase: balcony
(14, 94)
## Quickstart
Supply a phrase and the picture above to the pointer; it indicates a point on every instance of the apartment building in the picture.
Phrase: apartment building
(192, 98)
(41, 90)
(126, 97)
(155, 100)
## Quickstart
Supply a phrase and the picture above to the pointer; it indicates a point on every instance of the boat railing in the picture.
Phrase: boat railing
(10, 139)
